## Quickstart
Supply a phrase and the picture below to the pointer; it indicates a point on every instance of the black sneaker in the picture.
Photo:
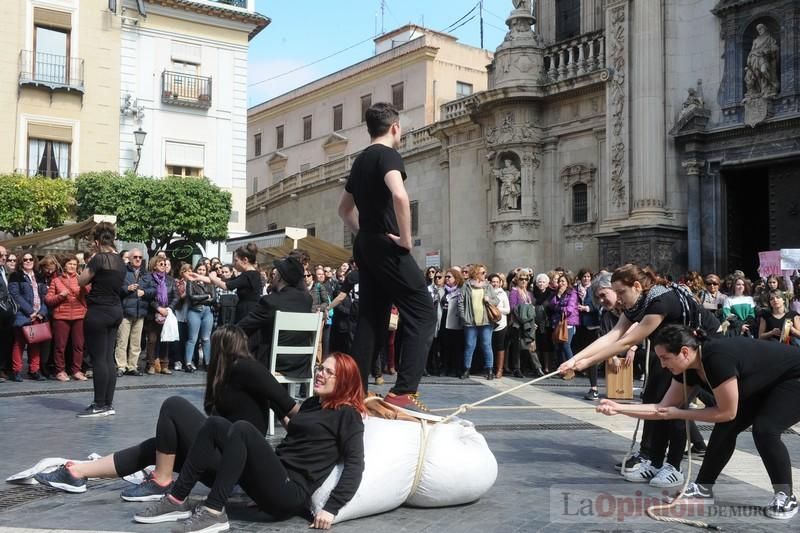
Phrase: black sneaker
(696, 494)
(61, 479)
(697, 451)
(164, 511)
(95, 411)
(16, 377)
(204, 521)
(782, 507)
(631, 464)
(147, 491)
(592, 395)
(36, 376)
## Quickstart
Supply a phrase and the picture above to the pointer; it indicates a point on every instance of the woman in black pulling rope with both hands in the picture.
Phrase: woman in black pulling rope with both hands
(754, 384)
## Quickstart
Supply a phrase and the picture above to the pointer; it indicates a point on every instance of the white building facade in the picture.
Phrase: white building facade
(184, 83)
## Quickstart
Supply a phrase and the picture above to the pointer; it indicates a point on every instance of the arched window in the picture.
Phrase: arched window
(580, 203)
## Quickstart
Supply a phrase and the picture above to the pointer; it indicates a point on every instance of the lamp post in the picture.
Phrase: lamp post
(138, 137)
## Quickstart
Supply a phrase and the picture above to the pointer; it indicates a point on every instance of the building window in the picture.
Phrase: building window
(397, 96)
(312, 230)
(415, 218)
(48, 158)
(366, 102)
(568, 19)
(272, 226)
(463, 89)
(51, 63)
(255, 185)
(257, 144)
(278, 137)
(184, 172)
(580, 203)
(337, 117)
(307, 128)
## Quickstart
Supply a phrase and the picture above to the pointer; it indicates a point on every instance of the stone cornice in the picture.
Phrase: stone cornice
(258, 20)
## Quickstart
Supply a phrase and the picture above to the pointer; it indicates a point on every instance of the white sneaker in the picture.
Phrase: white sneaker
(643, 473)
(667, 476)
(178, 366)
(782, 507)
(695, 494)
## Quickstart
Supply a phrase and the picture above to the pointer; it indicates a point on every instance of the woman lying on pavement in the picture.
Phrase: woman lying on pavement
(754, 383)
(238, 388)
(327, 429)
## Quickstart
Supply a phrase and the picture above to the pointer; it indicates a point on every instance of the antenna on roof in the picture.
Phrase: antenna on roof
(383, 7)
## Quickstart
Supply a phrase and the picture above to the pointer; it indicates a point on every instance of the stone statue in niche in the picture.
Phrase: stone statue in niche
(510, 185)
(761, 70)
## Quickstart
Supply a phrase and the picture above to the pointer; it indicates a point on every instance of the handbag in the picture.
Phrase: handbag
(493, 313)
(37, 332)
(561, 333)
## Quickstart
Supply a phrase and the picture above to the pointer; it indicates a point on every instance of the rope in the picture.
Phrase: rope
(463, 408)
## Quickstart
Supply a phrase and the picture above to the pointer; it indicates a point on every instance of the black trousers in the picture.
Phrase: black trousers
(452, 349)
(237, 453)
(178, 425)
(100, 336)
(6, 340)
(770, 414)
(389, 275)
(658, 436)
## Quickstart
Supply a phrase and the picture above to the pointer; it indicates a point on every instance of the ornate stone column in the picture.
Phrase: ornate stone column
(618, 106)
(648, 126)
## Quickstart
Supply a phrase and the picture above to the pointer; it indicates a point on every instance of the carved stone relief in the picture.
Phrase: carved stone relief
(761, 77)
(638, 253)
(617, 97)
(579, 173)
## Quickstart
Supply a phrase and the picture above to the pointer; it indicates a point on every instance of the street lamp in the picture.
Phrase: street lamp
(138, 137)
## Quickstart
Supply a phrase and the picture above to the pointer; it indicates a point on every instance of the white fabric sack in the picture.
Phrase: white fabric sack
(391, 449)
(169, 332)
(48, 464)
(458, 467)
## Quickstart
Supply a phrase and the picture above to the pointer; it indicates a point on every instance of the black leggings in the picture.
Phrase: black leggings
(659, 435)
(770, 414)
(178, 425)
(237, 453)
(100, 335)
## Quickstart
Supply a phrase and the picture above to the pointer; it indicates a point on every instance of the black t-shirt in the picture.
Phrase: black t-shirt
(317, 439)
(372, 197)
(667, 304)
(248, 286)
(775, 323)
(109, 275)
(757, 365)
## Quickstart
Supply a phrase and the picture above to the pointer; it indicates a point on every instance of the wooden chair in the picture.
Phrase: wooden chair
(309, 322)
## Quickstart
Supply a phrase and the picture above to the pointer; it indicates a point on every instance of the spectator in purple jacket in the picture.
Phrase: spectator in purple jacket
(564, 305)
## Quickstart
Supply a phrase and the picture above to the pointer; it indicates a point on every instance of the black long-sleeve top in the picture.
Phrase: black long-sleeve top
(316, 440)
(245, 394)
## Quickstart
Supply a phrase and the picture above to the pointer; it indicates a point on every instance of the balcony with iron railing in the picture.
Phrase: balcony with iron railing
(185, 90)
(54, 72)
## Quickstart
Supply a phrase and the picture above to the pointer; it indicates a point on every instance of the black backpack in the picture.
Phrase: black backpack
(695, 315)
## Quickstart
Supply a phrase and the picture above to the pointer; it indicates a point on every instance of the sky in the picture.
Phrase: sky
(333, 34)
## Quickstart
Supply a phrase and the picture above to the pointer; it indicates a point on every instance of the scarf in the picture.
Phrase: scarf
(162, 294)
(37, 302)
(636, 313)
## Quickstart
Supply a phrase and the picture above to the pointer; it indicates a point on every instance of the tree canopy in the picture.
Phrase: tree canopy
(34, 203)
(156, 210)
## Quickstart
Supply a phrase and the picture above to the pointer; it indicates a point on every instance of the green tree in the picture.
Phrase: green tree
(156, 210)
(34, 203)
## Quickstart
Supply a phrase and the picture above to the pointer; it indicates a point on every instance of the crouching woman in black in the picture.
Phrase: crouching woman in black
(327, 429)
(238, 388)
(754, 383)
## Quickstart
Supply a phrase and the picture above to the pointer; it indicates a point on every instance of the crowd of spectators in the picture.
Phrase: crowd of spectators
(493, 324)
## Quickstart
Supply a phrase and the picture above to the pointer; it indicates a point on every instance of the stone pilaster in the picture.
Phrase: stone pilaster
(618, 14)
(648, 126)
(694, 171)
(546, 20)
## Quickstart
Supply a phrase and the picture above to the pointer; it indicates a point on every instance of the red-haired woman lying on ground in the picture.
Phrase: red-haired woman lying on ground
(327, 429)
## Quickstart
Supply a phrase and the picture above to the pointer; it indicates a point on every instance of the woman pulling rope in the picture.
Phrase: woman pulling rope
(754, 383)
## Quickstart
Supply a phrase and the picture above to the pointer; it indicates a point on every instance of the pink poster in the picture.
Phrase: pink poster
(769, 263)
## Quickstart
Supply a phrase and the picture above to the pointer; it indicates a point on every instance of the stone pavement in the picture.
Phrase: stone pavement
(555, 464)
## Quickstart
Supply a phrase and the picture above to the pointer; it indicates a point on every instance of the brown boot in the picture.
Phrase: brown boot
(157, 366)
(501, 359)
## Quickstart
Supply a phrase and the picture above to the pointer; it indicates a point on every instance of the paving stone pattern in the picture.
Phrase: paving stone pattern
(536, 450)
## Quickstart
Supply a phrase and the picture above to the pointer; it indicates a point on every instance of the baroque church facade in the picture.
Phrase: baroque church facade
(659, 132)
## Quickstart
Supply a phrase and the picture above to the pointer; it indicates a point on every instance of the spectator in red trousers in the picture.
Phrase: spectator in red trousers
(67, 303)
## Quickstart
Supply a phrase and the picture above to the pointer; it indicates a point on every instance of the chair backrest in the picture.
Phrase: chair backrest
(285, 321)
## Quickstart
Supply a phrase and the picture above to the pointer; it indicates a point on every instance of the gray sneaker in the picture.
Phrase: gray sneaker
(204, 521)
(164, 511)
